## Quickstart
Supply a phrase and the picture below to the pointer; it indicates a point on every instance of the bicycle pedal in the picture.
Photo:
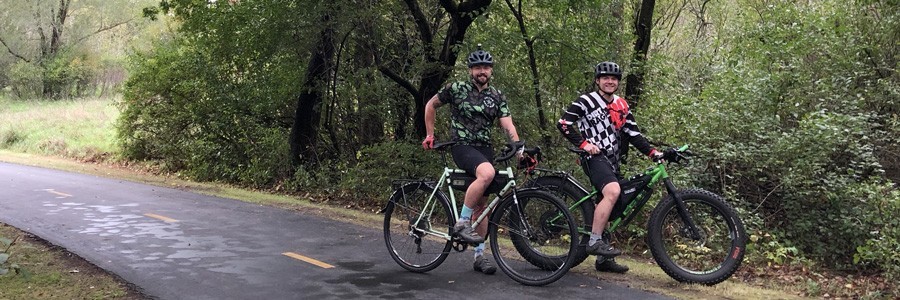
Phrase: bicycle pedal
(459, 246)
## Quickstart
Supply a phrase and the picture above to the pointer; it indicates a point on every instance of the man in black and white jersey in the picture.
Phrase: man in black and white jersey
(603, 123)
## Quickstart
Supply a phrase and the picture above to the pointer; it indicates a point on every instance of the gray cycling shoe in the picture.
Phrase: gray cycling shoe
(483, 265)
(604, 264)
(602, 248)
(466, 233)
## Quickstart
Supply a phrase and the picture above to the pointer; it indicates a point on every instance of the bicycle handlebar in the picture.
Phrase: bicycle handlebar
(677, 155)
(509, 151)
(443, 145)
(671, 155)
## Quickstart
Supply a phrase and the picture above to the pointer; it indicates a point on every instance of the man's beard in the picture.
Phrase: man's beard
(481, 79)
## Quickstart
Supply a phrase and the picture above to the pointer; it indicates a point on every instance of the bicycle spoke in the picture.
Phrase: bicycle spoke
(704, 255)
(708, 258)
(416, 229)
(527, 246)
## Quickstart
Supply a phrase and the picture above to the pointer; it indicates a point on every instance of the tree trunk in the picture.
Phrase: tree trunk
(304, 131)
(461, 17)
(643, 24)
(439, 64)
(532, 62)
(52, 89)
(58, 26)
(371, 128)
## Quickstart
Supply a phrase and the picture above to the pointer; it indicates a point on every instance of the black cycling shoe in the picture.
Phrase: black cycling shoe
(604, 264)
(466, 233)
(602, 248)
(483, 265)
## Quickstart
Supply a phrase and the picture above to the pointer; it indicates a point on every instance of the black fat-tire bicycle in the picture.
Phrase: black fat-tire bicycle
(694, 235)
(420, 215)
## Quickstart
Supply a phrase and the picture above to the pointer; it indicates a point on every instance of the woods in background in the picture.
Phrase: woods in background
(792, 105)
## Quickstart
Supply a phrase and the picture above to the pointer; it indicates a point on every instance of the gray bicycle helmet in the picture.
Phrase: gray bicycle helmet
(608, 68)
(480, 57)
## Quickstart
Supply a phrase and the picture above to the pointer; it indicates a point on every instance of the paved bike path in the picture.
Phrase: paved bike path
(175, 244)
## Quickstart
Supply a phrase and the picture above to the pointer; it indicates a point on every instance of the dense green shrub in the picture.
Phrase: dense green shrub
(154, 123)
(69, 74)
(881, 211)
(785, 114)
(26, 80)
(187, 106)
(380, 164)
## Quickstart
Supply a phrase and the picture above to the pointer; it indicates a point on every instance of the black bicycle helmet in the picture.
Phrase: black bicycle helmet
(480, 57)
(608, 68)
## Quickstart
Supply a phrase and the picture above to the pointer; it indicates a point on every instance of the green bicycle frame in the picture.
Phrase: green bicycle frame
(656, 174)
(445, 180)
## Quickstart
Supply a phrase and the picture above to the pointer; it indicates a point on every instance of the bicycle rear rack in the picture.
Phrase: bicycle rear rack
(397, 183)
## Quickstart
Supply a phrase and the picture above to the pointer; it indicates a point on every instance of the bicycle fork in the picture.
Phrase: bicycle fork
(524, 227)
(690, 227)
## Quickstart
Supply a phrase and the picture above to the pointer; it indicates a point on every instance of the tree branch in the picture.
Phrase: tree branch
(874, 63)
(408, 86)
(421, 22)
(472, 5)
(102, 29)
(461, 16)
(11, 51)
(450, 6)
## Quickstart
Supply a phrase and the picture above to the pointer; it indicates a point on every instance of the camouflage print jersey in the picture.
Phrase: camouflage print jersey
(473, 112)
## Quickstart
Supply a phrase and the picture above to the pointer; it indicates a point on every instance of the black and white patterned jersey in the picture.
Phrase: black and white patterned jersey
(603, 124)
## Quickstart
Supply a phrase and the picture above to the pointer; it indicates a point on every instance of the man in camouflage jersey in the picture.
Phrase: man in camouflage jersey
(475, 104)
(473, 113)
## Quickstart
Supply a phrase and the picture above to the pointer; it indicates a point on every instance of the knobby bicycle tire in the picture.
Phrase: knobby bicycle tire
(709, 260)
(405, 234)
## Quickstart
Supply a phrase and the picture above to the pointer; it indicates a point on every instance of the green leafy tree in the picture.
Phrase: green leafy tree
(48, 34)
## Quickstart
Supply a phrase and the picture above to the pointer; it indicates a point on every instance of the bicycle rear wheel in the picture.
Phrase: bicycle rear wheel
(708, 259)
(417, 231)
(519, 218)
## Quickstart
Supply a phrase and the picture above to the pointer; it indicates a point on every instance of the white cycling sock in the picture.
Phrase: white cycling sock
(479, 250)
(594, 238)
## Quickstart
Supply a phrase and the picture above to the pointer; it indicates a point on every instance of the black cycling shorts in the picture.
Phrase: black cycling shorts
(469, 157)
(599, 169)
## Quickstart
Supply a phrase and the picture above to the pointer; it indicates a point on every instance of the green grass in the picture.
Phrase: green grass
(54, 273)
(80, 128)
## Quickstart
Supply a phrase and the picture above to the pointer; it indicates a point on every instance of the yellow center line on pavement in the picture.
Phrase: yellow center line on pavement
(309, 260)
(57, 193)
(167, 219)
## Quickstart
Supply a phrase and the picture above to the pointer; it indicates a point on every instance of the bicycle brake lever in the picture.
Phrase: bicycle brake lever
(683, 158)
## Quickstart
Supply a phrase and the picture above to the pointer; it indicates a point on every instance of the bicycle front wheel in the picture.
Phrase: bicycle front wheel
(416, 228)
(525, 216)
(583, 213)
(709, 258)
